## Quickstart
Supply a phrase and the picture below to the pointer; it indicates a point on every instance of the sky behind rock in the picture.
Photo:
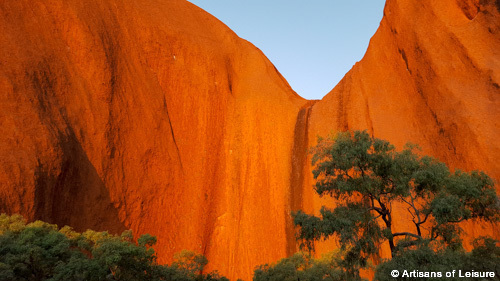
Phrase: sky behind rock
(312, 43)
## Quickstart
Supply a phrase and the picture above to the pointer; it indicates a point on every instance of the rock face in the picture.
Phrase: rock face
(149, 115)
(153, 115)
(430, 76)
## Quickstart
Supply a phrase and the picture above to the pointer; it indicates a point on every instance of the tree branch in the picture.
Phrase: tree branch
(407, 234)
(425, 219)
(380, 211)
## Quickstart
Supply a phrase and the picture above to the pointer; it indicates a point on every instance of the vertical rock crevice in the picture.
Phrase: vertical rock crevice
(299, 168)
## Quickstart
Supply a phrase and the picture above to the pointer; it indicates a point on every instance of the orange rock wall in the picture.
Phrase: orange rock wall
(153, 115)
(149, 115)
(430, 76)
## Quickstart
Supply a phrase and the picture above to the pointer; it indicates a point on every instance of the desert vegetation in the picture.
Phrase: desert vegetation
(42, 251)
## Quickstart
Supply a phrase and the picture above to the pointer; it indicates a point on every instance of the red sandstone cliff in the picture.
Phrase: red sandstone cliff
(152, 115)
(430, 76)
(149, 115)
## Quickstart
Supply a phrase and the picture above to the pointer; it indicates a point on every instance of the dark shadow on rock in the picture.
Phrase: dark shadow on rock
(299, 168)
(76, 196)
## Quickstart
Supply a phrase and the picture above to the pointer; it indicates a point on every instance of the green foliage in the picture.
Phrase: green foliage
(31, 252)
(368, 177)
(303, 267)
(485, 257)
(190, 261)
(191, 264)
(41, 251)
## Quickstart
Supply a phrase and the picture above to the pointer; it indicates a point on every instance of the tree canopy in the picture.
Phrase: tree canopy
(301, 266)
(369, 178)
(484, 258)
(42, 251)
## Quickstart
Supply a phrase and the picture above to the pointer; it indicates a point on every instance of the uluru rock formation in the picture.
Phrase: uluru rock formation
(430, 76)
(149, 115)
(153, 115)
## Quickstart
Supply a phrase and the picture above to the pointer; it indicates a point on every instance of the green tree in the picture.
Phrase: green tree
(369, 177)
(485, 257)
(41, 251)
(31, 252)
(301, 266)
(191, 264)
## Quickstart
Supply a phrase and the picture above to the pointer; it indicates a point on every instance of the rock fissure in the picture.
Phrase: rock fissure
(172, 133)
(299, 162)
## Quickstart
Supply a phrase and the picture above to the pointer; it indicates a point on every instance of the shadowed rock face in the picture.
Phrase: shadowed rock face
(152, 115)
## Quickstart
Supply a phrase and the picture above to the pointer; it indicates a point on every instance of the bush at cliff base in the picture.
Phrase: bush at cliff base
(433, 264)
(42, 251)
(302, 266)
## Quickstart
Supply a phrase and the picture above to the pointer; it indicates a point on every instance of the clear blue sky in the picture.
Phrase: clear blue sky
(312, 43)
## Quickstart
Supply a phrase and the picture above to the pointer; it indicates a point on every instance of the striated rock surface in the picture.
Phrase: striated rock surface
(150, 115)
(430, 76)
(153, 115)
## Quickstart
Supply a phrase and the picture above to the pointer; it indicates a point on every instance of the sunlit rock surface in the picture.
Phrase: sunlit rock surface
(149, 115)
(153, 115)
(430, 76)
